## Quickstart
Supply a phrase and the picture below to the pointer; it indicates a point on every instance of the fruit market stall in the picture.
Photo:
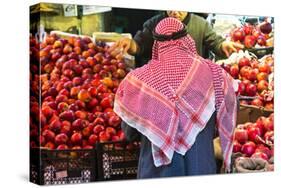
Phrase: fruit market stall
(253, 68)
(76, 137)
(74, 126)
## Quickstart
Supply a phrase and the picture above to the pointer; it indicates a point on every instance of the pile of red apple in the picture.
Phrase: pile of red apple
(255, 139)
(254, 80)
(251, 36)
(78, 80)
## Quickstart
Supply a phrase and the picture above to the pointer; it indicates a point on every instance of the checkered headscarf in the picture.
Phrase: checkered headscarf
(171, 99)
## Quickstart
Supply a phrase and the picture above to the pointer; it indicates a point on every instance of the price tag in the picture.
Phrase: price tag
(61, 174)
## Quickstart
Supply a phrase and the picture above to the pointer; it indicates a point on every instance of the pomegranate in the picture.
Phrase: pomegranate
(253, 133)
(241, 135)
(236, 146)
(248, 148)
(260, 155)
(251, 90)
(265, 27)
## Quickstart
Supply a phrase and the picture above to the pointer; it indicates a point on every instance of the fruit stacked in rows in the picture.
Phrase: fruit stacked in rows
(255, 139)
(78, 81)
(254, 77)
(253, 36)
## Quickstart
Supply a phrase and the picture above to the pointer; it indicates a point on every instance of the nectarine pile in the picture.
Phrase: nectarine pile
(75, 81)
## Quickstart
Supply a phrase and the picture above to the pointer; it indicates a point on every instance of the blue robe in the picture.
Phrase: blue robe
(198, 160)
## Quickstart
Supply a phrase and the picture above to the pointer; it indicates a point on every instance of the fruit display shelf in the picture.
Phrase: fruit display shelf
(255, 139)
(109, 161)
(54, 167)
(261, 51)
(117, 160)
(73, 82)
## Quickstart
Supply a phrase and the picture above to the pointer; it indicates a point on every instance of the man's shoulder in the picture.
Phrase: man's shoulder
(198, 19)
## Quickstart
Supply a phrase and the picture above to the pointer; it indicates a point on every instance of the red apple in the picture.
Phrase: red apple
(77, 81)
(115, 138)
(114, 121)
(99, 120)
(238, 35)
(121, 73)
(57, 44)
(50, 145)
(80, 114)
(55, 126)
(62, 106)
(67, 115)
(48, 135)
(244, 62)
(93, 139)
(268, 124)
(262, 76)
(257, 102)
(61, 139)
(249, 41)
(252, 76)
(80, 104)
(78, 124)
(84, 95)
(269, 105)
(244, 71)
(67, 49)
(121, 135)
(61, 98)
(104, 136)
(94, 102)
(247, 28)
(106, 103)
(66, 127)
(42, 140)
(62, 147)
(263, 67)
(76, 138)
(86, 132)
(74, 92)
(47, 111)
(262, 85)
(251, 90)
(111, 131)
(256, 33)
(98, 128)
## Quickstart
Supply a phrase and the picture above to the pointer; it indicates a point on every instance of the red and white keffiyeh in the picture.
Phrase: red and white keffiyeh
(171, 99)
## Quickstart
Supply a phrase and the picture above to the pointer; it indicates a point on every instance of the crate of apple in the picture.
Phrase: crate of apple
(254, 83)
(78, 79)
(253, 36)
(255, 139)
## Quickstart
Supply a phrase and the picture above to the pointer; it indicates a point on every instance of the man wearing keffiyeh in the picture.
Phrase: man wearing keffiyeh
(173, 103)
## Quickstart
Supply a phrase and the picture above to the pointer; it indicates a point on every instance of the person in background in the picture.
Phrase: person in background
(198, 28)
